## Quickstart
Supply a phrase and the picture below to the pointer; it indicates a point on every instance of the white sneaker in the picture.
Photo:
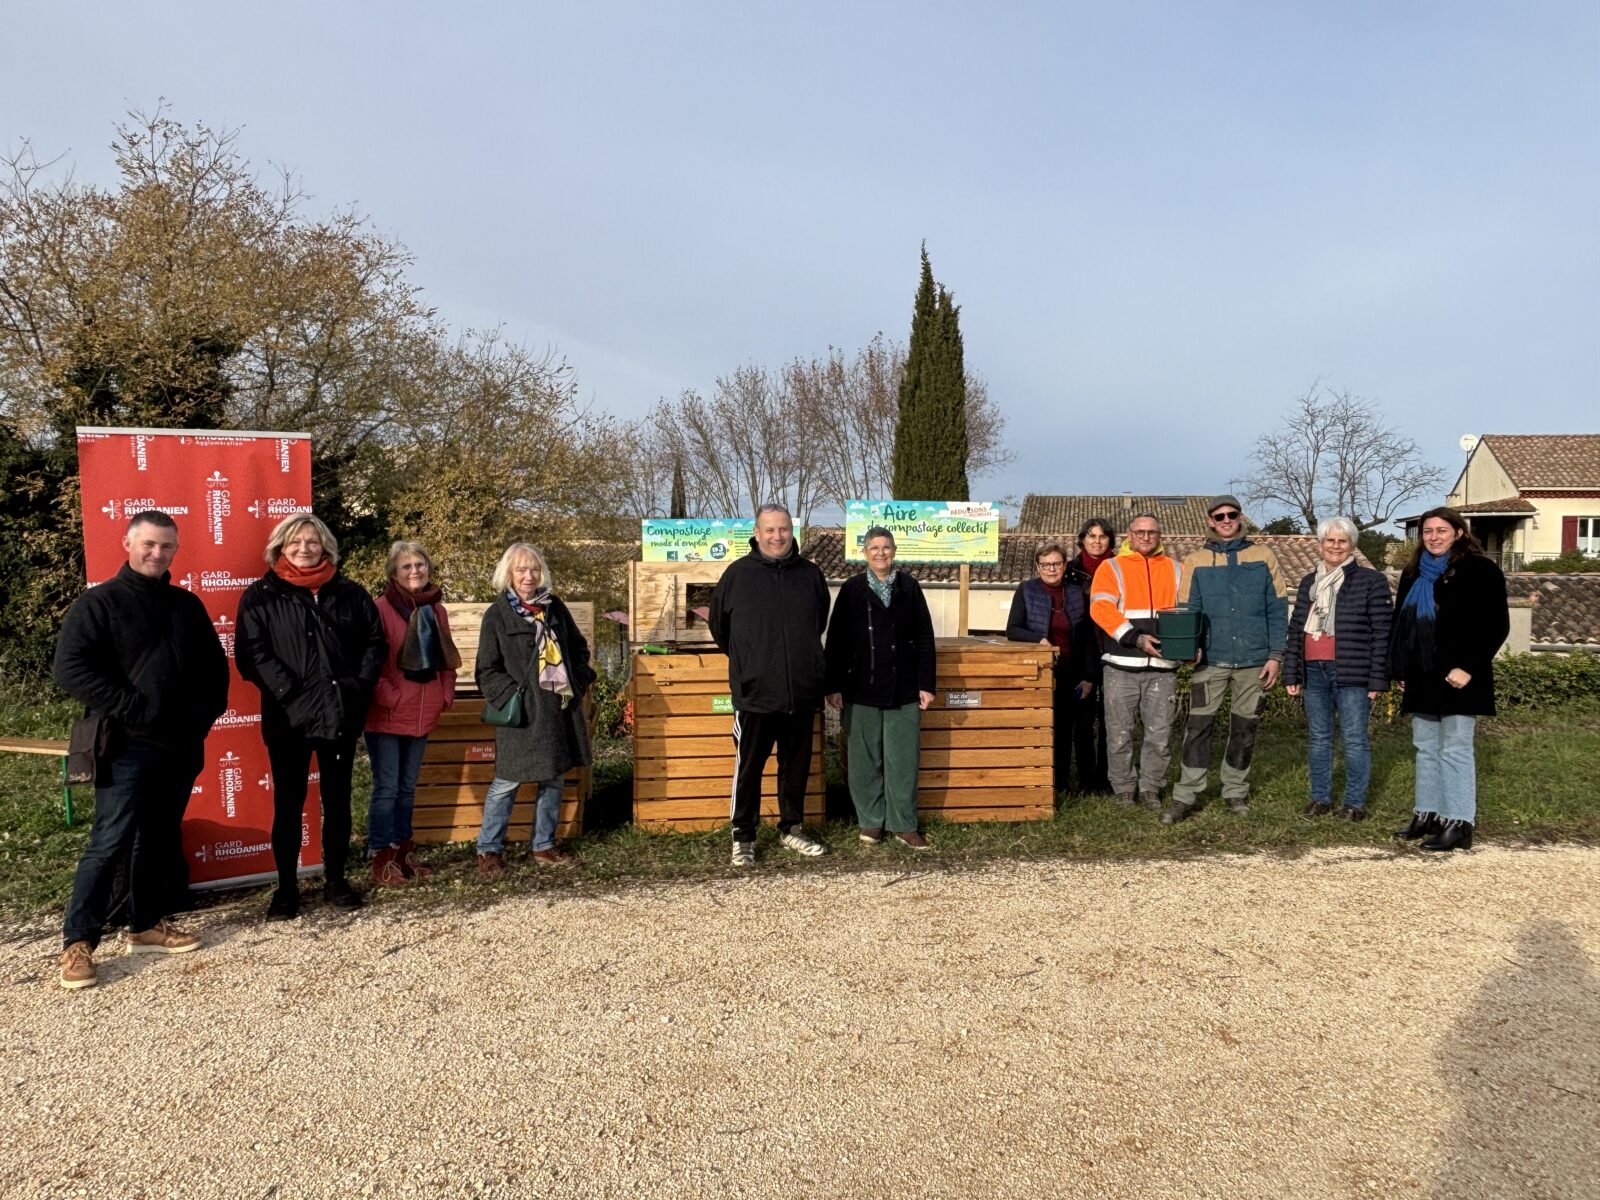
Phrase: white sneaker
(744, 854)
(801, 842)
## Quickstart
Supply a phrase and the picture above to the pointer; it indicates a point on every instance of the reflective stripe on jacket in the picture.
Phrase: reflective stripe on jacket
(1128, 591)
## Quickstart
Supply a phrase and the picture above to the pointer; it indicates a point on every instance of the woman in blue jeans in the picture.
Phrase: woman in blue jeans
(1337, 657)
(529, 644)
(1451, 618)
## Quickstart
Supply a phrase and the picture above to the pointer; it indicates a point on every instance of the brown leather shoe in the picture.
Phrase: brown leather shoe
(406, 856)
(1347, 813)
(77, 967)
(386, 870)
(1316, 809)
(162, 938)
(491, 866)
(913, 839)
(551, 858)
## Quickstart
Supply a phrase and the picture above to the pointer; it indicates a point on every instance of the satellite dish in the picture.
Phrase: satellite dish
(1469, 442)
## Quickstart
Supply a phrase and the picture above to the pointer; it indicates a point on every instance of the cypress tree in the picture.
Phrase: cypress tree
(679, 503)
(930, 445)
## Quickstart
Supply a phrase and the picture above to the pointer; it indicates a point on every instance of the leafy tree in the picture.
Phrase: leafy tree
(1335, 455)
(1375, 546)
(930, 451)
(1284, 524)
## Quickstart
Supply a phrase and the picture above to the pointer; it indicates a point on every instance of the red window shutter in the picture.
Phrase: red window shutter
(1569, 533)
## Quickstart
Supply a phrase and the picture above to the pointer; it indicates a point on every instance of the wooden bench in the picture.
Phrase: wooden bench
(54, 748)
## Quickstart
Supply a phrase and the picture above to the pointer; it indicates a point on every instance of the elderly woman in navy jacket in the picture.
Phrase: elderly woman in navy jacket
(1337, 656)
(1053, 611)
(880, 664)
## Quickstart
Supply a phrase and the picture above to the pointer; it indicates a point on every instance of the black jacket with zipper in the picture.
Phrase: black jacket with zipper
(876, 655)
(316, 658)
(767, 617)
(135, 626)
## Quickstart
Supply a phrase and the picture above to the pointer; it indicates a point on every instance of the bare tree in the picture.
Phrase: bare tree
(1334, 454)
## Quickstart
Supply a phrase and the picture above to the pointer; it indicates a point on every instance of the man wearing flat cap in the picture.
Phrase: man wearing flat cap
(1236, 585)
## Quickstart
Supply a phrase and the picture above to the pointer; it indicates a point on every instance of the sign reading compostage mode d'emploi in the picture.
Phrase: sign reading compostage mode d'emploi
(710, 540)
(931, 531)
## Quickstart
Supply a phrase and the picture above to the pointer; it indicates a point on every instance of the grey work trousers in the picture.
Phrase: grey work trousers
(1132, 697)
(1244, 719)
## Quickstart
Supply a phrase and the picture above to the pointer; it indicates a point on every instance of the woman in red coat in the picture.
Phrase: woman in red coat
(418, 683)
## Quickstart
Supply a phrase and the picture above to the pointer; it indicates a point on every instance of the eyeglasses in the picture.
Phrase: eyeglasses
(1054, 564)
(412, 567)
(1231, 514)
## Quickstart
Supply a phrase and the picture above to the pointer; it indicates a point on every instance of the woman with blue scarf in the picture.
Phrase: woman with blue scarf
(418, 683)
(1450, 620)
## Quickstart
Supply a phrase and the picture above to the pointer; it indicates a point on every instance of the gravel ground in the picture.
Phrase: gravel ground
(1346, 1023)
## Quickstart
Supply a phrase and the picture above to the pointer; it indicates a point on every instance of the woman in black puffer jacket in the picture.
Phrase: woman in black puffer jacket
(880, 665)
(1337, 653)
(1450, 620)
(312, 642)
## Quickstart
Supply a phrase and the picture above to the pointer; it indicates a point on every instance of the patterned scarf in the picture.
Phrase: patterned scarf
(882, 588)
(1324, 595)
(552, 672)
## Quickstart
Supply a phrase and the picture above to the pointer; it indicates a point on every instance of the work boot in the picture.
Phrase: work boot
(340, 894)
(407, 858)
(491, 866)
(386, 871)
(1176, 812)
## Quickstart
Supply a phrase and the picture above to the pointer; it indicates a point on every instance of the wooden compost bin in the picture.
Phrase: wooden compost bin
(459, 761)
(987, 751)
(683, 746)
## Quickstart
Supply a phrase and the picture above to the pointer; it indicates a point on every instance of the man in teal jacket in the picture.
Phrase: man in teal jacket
(1237, 586)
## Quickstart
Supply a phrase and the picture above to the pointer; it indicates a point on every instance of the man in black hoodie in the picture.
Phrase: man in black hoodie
(768, 612)
(143, 655)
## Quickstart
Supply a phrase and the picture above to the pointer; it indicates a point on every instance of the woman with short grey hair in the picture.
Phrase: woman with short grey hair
(1336, 655)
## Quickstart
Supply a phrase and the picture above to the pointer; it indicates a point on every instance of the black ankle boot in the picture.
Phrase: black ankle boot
(1456, 835)
(340, 894)
(1422, 824)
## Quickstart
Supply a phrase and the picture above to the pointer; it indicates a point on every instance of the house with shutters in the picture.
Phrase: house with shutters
(1528, 496)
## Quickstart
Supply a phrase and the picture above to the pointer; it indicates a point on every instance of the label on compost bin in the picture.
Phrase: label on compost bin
(963, 699)
(480, 752)
(722, 704)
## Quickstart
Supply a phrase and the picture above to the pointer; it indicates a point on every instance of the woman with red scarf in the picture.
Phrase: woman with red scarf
(418, 683)
(311, 640)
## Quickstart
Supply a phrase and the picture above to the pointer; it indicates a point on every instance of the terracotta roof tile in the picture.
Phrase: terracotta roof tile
(1297, 553)
(1548, 460)
(1066, 514)
(1514, 505)
(1568, 611)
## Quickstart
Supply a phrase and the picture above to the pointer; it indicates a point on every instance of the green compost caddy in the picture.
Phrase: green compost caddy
(1179, 631)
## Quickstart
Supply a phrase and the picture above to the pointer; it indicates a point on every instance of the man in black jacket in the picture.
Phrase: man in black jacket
(144, 656)
(768, 612)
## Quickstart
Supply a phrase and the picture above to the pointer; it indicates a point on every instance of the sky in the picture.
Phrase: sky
(1163, 222)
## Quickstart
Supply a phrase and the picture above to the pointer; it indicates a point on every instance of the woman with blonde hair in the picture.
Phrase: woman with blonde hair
(310, 639)
(418, 682)
(531, 656)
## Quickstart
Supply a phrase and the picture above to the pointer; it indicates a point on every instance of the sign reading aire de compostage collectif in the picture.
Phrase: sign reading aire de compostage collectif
(926, 531)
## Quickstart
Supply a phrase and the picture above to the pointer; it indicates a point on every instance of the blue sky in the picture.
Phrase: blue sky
(1163, 221)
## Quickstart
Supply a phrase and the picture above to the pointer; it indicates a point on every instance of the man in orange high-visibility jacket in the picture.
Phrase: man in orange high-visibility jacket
(1139, 685)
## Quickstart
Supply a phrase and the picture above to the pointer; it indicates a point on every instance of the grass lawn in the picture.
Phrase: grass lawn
(1536, 775)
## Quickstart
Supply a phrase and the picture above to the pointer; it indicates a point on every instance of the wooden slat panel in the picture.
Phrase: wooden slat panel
(674, 810)
(688, 789)
(985, 777)
(1006, 698)
(988, 718)
(964, 815)
(991, 683)
(1000, 797)
(980, 739)
(1013, 757)
(658, 601)
(472, 814)
(515, 834)
(696, 747)
(450, 796)
(473, 751)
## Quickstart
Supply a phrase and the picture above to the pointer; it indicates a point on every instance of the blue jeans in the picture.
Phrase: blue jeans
(497, 815)
(1324, 698)
(396, 761)
(139, 798)
(1447, 773)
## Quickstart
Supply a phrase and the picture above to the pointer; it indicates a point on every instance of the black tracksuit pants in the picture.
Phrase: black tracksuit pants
(754, 737)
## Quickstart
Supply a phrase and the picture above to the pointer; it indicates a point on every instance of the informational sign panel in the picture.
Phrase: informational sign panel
(926, 531)
(226, 491)
(713, 540)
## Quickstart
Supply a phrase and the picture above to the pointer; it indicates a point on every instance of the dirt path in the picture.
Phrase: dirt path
(1342, 1024)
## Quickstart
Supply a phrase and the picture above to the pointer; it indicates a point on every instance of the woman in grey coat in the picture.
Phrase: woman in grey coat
(529, 643)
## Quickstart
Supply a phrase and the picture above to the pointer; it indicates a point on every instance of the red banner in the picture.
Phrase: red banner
(226, 491)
